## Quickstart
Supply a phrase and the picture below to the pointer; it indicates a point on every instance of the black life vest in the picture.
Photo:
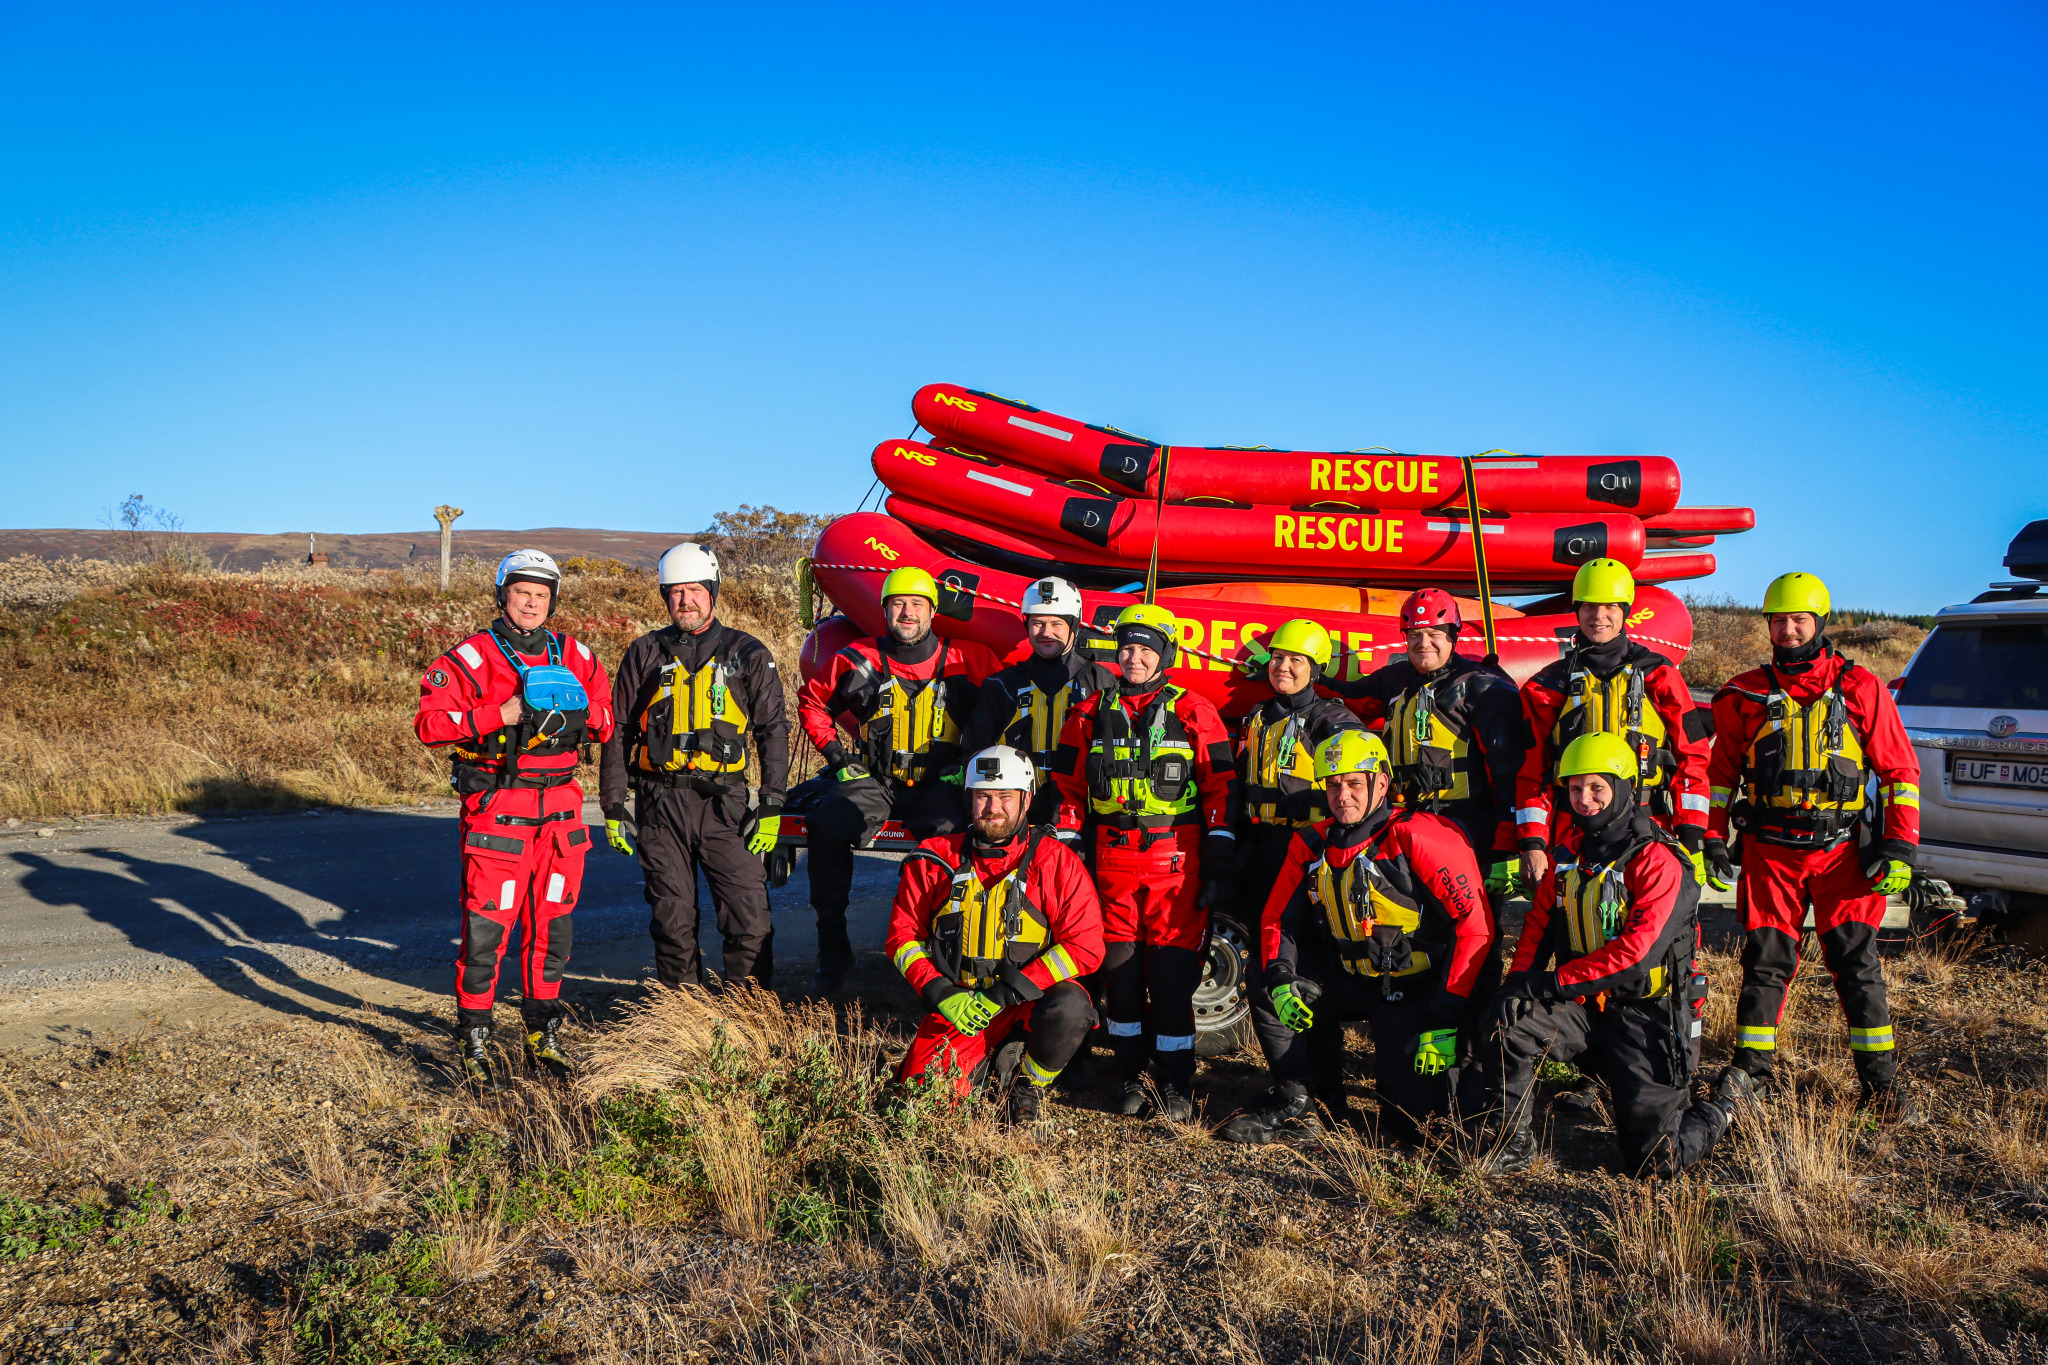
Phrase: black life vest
(693, 722)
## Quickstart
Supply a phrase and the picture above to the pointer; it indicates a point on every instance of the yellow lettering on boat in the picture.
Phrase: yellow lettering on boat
(1318, 474)
(1283, 531)
(964, 404)
(1344, 530)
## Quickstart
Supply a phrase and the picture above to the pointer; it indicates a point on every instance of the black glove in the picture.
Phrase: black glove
(1720, 867)
(1540, 986)
(1692, 836)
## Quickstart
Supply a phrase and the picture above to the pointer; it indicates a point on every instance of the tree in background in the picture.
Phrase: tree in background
(763, 537)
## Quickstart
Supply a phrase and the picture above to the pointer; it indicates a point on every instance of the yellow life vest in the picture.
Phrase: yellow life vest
(1593, 902)
(1035, 725)
(1371, 922)
(1805, 775)
(911, 730)
(1616, 706)
(1432, 759)
(1279, 765)
(693, 722)
(983, 927)
(1142, 774)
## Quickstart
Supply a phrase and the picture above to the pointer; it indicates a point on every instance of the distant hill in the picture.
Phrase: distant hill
(383, 550)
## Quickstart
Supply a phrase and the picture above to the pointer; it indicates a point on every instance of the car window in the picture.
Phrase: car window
(1998, 667)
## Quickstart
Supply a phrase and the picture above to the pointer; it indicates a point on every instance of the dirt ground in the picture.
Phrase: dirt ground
(238, 1187)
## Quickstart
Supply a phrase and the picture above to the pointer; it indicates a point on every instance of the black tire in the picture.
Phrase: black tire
(1223, 1008)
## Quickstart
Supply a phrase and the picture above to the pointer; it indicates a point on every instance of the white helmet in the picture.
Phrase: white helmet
(1001, 768)
(688, 562)
(530, 566)
(1053, 597)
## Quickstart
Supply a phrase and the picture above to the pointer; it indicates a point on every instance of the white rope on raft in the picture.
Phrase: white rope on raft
(1234, 663)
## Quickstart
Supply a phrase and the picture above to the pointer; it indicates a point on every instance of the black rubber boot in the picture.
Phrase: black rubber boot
(543, 1046)
(835, 959)
(1511, 1151)
(1176, 1105)
(1284, 1109)
(473, 1048)
(1027, 1104)
(1131, 1099)
(1891, 1104)
(1737, 1086)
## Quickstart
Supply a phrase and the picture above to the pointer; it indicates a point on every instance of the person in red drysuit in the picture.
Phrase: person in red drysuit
(1795, 744)
(1377, 915)
(1148, 766)
(1606, 683)
(523, 836)
(908, 697)
(993, 929)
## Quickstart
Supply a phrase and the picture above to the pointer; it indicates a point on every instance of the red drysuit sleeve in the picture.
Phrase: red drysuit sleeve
(1655, 877)
(454, 704)
(1438, 853)
(1876, 717)
(814, 701)
(582, 661)
(1215, 764)
(1540, 705)
(1686, 732)
(920, 889)
(1069, 760)
(1736, 719)
(1292, 869)
(1062, 888)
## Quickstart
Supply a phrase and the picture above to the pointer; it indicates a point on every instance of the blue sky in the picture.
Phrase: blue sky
(291, 267)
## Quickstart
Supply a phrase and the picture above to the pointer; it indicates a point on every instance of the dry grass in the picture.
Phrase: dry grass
(281, 688)
(471, 1245)
(325, 1174)
(367, 1075)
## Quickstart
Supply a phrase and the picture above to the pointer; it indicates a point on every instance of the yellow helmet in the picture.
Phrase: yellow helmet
(1797, 592)
(910, 583)
(1602, 753)
(1151, 619)
(1302, 637)
(1351, 751)
(1604, 580)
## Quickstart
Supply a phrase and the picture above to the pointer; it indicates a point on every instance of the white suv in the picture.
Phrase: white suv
(1975, 703)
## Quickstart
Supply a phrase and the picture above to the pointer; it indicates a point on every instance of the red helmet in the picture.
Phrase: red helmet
(1430, 607)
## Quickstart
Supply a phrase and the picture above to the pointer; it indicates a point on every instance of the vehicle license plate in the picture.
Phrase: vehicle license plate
(2002, 772)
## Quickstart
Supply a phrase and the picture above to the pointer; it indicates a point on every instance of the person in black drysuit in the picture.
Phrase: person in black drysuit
(689, 698)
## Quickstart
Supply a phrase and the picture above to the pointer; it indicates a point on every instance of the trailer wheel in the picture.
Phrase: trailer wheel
(1223, 1008)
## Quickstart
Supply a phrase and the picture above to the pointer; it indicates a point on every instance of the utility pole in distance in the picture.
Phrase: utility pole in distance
(446, 515)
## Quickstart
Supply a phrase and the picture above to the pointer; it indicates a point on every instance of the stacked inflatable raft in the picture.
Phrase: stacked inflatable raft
(1000, 493)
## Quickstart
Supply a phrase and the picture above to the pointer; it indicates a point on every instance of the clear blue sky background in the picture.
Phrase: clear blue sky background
(291, 267)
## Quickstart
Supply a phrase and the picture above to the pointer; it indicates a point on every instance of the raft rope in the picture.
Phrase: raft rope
(1364, 655)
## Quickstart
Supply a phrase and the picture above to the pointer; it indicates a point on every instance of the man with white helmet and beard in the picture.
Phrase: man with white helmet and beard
(993, 928)
(1025, 705)
(511, 705)
(690, 697)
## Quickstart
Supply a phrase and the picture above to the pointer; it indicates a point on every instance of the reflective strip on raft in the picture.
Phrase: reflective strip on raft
(1698, 803)
(557, 883)
(910, 952)
(1763, 1038)
(1877, 1039)
(1037, 1074)
(1119, 1029)
(1184, 1042)
(1903, 794)
(1059, 963)
(507, 893)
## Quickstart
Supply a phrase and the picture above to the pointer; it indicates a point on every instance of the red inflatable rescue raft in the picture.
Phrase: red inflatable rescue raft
(1645, 486)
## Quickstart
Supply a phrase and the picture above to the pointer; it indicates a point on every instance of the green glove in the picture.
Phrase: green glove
(1890, 876)
(1257, 660)
(1503, 878)
(766, 831)
(615, 835)
(954, 777)
(1699, 867)
(1292, 1009)
(969, 1011)
(1718, 866)
(852, 772)
(1436, 1052)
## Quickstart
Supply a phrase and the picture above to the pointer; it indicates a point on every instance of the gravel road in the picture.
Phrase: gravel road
(113, 922)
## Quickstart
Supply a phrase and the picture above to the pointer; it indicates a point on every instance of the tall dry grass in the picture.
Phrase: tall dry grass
(143, 689)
